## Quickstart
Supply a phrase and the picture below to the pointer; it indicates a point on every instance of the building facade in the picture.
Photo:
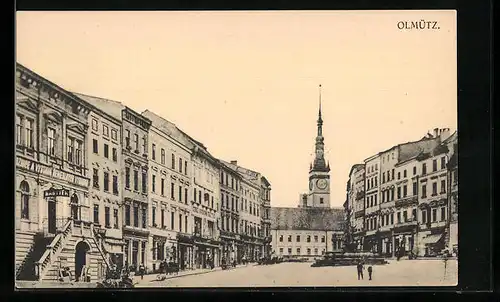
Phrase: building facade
(53, 224)
(354, 206)
(405, 204)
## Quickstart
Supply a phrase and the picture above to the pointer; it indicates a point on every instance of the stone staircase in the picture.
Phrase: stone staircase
(29, 249)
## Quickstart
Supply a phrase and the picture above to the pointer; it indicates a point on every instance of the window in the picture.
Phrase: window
(25, 197)
(443, 186)
(96, 214)
(144, 145)
(127, 138)
(180, 165)
(383, 177)
(392, 218)
(298, 238)
(404, 173)
(399, 217)
(289, 250)
(71, 149)
(393, 175)
(51, 141)
(144, 182)
(162, 156)
(180, 193)
(106, 181)
(173, 161)
(399, 175)
(405, 191)
(115, 184)
(308, 251)
(315, 238)
(434, 215)
(321, 200)
(95, 178)
(153, 152)
(136, 141)
(19, 130)
(115, 155)
(186, 196)
(405, 216)
(414, 170)
(434, 188)
(153, 184)
(414, 214)
(127, 177)
(308, 238)
(399, 192)
(29, 133)
(153, 216)
(289, 238)
(114, 134)
(424, 216)
(115, 216)
(424, 191)
(434, 165)
(315, 251)
(180, 223)
(298, 251)
(415, 186)
(127, 214)
(185, 167)
(172, 220)
(281, 238)
(136, 180)
(95, 126)
(172, 191)
(95, 146)
(443, 213)
(162, 187)
(162, 218)
(443, 162)
(424, 169)
(107, 222)
(144, 217)
(105, 130)
(106, 150)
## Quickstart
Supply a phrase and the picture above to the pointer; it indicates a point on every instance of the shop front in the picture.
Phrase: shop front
(206, 253)
(185, 251)
(135, 249)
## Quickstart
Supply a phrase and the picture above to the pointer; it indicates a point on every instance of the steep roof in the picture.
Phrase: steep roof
(169, 129)
(330, 219)
(110, 107)
(356, 167)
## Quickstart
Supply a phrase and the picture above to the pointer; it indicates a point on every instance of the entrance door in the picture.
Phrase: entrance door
(51, 217)
(81, 251)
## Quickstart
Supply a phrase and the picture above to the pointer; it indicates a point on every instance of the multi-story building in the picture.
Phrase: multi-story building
(174, 175)
(452, 145)
(265, 201)
(249, 207)
(306, 232)
(434, 195)
(393, 224)
(105, 152)
(230, 183)
(372, 206)
(205, 206)
(354, 206)
(53, 223)
(134, 177)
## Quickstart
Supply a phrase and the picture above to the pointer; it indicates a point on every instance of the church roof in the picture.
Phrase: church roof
(329, 219)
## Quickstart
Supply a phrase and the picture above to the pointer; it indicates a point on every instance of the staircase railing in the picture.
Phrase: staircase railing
(100, 248)
(53, 250)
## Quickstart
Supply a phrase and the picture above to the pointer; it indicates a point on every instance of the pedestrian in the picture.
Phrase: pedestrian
(360, 268)
(370, 271)
(141, 271)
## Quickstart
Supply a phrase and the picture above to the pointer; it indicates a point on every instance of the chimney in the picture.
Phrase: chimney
(444, 134)
(234, 162)
(436, 132)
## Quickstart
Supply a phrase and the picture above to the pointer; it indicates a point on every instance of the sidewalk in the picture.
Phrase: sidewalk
(152, 277)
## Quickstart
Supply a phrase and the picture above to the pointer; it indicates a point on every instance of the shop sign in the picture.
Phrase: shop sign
(56, 193)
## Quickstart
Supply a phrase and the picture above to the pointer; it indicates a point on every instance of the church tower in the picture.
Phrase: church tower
(319, 172)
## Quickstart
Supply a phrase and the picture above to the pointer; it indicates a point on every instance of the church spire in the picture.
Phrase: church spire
(319, 160)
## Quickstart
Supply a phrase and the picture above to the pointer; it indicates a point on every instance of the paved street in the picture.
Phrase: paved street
(402, 273)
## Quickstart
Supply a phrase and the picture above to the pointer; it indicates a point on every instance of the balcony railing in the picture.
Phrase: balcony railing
(408, 201)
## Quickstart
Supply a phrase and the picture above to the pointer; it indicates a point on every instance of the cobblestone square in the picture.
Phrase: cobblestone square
(396, 273)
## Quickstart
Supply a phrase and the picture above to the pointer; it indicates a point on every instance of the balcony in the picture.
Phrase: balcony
(405, 226)
(408, 201)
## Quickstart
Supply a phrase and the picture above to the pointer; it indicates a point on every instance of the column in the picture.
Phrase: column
(392, 245)
(64, 142)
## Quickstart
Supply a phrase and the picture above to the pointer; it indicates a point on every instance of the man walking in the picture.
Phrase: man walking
(360, 268)
(370, 270)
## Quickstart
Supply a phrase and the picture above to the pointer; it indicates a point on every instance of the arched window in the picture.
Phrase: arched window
(25, 198)
(74, 207)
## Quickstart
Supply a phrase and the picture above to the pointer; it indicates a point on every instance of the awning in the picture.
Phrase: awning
(432, 239)
(206, 244)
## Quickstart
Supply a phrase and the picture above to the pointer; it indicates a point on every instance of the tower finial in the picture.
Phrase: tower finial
(320, 101)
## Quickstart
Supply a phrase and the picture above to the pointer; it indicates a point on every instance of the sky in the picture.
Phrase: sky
(246, 83)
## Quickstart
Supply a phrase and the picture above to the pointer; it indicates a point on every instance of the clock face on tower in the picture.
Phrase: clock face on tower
(321, 184)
